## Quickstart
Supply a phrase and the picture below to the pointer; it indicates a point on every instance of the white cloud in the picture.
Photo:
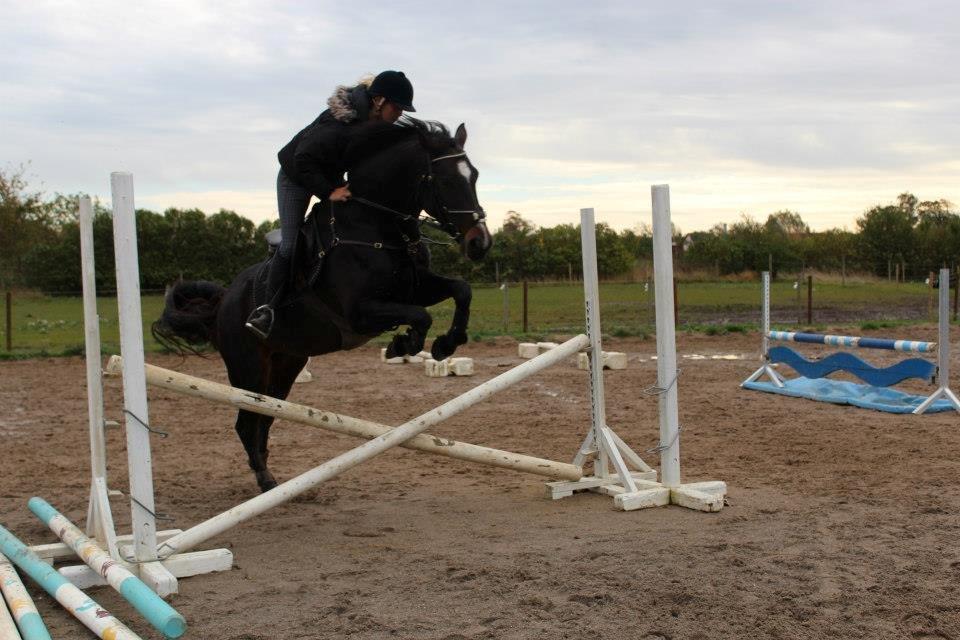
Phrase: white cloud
(821, 107)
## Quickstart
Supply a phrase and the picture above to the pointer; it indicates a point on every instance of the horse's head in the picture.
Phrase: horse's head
(450, 192)
(415, 166)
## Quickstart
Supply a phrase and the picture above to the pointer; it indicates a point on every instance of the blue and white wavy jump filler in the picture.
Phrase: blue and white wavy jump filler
(813, 383)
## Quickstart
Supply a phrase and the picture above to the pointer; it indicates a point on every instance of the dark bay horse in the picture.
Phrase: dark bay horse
(360, 270)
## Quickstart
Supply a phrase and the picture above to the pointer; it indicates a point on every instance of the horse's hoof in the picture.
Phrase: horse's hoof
(442, 348)
(265, 481)
(395, 350)
(266, 486)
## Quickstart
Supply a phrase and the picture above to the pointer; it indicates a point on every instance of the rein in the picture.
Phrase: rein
(412, 244)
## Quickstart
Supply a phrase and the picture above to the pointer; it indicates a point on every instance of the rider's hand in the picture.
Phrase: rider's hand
(340, 194)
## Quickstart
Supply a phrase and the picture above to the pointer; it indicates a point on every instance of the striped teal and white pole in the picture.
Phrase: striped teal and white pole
(21, 604)
(88, 612)
(908, 346)
(158, 613)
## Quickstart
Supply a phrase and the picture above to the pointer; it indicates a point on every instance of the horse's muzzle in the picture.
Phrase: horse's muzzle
(477, 242)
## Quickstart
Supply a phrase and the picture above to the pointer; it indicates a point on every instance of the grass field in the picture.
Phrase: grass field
(45, 325)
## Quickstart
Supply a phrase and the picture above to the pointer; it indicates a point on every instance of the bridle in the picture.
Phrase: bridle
(426, 182)
(478, 214)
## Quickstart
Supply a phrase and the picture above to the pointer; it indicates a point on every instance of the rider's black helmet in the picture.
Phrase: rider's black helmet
(395, 87)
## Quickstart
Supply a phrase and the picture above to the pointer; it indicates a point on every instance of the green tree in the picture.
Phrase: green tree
(885, 235)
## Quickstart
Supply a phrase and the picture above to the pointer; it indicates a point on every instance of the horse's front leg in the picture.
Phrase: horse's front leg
(434, 288)
(377, 316)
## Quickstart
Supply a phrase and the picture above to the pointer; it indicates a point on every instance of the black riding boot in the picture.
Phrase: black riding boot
(260, 322)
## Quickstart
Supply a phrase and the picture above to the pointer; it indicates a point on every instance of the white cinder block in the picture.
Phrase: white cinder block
(448, 367)
(610, 360)
(543, 347)
(461, 366)
(528, 350)
(614, 360)
(436, 369)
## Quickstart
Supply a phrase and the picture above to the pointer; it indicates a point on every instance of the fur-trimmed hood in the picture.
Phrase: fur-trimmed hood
(349, 104)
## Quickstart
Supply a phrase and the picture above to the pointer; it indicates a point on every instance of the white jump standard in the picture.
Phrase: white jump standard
(632, 482)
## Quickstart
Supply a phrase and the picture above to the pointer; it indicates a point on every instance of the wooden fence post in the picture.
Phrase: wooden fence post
(505, 287)
(9, 321)
(809, 300)
(956, 290)
(524, 306)
(676, 305)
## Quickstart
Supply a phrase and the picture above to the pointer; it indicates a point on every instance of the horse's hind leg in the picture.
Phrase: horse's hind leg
(254, 374)
(283, 373)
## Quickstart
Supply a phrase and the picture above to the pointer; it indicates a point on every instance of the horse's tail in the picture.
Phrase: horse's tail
(189, 318)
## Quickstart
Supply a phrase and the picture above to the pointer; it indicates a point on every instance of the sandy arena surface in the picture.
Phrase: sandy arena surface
(841, 522)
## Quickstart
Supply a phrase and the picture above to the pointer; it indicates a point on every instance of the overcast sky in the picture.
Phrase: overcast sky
(824, 108)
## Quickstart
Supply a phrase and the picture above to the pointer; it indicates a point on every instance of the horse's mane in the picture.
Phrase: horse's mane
(373, 138)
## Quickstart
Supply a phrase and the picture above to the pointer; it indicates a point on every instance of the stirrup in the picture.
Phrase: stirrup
(257, 331)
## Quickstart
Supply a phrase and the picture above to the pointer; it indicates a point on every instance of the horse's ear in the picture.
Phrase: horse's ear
(461, 135)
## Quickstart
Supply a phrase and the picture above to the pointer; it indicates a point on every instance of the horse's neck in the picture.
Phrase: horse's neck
(356, 218)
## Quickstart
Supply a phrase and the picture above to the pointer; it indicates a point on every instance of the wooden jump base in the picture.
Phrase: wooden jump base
(876, 378)
(265, 405)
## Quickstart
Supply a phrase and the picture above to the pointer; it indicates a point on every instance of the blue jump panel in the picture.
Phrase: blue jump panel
(857, 395)
(846, 361)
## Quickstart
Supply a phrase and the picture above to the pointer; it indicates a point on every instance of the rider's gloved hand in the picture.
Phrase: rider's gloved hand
(340, 194)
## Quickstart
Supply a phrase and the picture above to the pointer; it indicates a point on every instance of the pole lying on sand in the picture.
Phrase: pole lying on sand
(265, 405)
(21, 604)
(158, 613)
(88, 612)
(294, 487)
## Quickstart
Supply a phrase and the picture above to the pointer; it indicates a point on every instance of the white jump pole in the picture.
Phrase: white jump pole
(291, 488)
(99, 514)
(265, 405)
(158, 613)
(88, 612)
(667, 373)
(136, 420)
(8, 628)
(21, 604)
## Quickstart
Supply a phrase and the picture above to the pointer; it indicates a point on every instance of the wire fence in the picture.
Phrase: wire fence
(37, 323)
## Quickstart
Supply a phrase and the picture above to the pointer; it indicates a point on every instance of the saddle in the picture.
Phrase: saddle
(306, 265)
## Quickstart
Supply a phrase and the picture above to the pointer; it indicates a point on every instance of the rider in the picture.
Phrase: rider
(312, 165)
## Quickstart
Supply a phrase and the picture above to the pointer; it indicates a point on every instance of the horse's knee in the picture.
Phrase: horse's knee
(461, 292)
